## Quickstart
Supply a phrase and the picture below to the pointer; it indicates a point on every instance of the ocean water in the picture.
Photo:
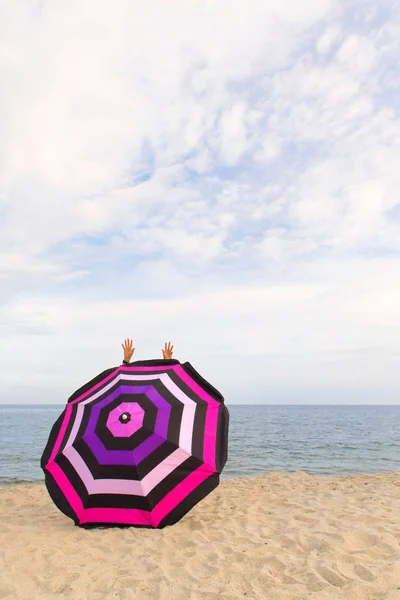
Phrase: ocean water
(322, 440)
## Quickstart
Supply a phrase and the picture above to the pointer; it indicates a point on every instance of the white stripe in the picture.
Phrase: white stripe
(189, 406)
(162, 470)
(79, 413)
(125, 486)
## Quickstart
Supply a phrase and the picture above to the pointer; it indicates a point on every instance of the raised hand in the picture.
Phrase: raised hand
(167, 351)
(128, 349)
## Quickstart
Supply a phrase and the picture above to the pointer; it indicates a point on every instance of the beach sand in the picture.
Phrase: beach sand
(278, 537)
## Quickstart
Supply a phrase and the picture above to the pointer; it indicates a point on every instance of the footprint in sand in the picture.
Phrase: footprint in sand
(331, 576)
(363, 573)
(275, 564)
(303, 518)
(200, 569)
(361, 540)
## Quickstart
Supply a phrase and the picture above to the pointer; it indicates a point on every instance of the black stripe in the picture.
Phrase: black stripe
(116, 501)
(198, 494)
(73, 415)
(177, 406)
(147, 372)
(172, 480)
(221, 450)
(73, 477)
(174, 426)
(123, 471)
(155, 458)
(153, 498)
(203, 383)
(222, 422)
(205, 488)
(99, 500)
(190, 501)
(69, 427)
(51, 441)
(134, 473)
(99, 471)
(173, 433)
(70, 424)
(199, 427)
(128, 501)
(173, 430)
(131, 442)
(128, 443)
(59, 499)
(200, 415)
(85, 388)
(87, 410)
(154, 362)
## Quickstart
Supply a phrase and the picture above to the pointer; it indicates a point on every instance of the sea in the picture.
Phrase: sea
(320, 440)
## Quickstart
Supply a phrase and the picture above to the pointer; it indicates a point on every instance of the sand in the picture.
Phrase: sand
(278, 537)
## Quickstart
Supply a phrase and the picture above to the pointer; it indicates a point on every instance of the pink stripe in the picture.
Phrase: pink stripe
(169, 502)
(101, 486)
(130, 516)
(211, 420)
(68, 414)
(179, 493)
(126, 516)
(210, 430)
(95, 387)
(210, 436)
(66, 487)
(189, 408)
(60, 434)
(166, 368)
(195, 386)
(162, 470)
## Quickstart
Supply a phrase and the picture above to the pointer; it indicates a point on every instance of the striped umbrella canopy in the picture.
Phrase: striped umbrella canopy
(138, 445)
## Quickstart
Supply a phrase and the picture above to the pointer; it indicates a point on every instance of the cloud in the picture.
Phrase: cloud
(222, 177)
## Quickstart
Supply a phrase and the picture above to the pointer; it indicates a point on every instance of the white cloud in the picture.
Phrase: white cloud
(221, 176)
(327, 39)
(357, 53)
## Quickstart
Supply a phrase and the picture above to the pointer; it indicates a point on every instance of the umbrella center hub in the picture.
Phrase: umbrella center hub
(125, 417)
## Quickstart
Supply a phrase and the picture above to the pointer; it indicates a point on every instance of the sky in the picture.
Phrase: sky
(221, 174)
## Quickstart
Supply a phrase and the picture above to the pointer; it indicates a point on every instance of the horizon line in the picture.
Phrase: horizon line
(230, 404)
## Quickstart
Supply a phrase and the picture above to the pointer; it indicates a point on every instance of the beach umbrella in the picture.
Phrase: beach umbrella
(138, 445)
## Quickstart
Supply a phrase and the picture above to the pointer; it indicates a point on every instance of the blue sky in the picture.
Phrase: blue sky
(224, 175)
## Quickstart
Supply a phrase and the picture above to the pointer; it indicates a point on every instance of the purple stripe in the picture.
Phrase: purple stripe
(128, 457)
(146, 448)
